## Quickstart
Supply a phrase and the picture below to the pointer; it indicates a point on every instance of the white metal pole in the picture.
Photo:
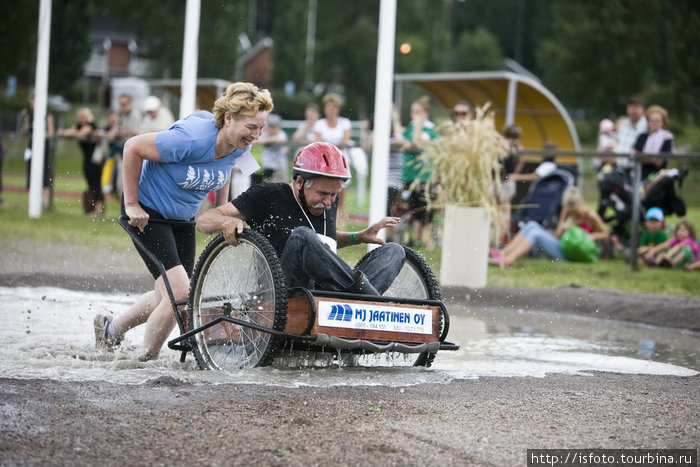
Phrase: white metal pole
(310, 43)
(41, 83)
(188, 84)
(382, 111)
(510, 101)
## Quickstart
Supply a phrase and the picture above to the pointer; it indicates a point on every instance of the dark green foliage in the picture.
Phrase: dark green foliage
(71, 24)
(591, 54)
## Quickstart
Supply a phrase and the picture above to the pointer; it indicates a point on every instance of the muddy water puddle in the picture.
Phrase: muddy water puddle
(47, 334)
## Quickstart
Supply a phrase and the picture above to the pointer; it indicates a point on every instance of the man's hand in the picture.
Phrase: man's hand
(369, 235)
(230, 228)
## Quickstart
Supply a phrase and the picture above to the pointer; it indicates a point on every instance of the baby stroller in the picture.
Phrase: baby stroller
(542, 203)
(616, 192)
(660, 191)
(615, 205)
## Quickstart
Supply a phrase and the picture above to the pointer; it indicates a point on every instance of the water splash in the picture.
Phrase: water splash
(47, 334)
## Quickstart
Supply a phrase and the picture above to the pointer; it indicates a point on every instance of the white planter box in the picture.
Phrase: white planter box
(465, 247)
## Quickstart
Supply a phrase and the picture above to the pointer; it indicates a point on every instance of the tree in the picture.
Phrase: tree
(70, 41)
(71, 24)
(289, 34)
(478, 51)
(597, 55)
(18, 40)
(680, 58)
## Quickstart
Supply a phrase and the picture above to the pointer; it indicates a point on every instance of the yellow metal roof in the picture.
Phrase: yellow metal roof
(516, 99)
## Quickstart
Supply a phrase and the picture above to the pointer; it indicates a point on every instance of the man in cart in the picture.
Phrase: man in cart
(299, 220)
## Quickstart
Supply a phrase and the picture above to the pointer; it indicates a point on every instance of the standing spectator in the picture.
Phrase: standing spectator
(156, 117)
(49, 156)
(512, 165)
(166, 176)
(305, 134)
(109, 167)
(333, 128)
(395, 206)
(462, 111)
(629, 128)
(127, 126)
(274, 155)
(85, 132)
(656, 140)
(415, 173)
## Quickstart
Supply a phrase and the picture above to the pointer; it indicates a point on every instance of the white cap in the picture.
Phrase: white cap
(151, 103)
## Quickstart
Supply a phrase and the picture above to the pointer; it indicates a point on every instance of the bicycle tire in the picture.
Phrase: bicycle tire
(415, 280)
(245, 282)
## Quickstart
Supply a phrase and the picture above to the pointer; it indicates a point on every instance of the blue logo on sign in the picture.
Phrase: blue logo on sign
(340, 313)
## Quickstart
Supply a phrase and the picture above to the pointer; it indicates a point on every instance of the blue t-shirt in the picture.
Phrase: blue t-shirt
(176, 187)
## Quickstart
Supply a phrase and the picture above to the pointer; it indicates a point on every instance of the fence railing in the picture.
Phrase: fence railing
(636, 160)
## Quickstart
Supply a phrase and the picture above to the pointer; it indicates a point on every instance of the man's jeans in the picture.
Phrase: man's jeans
(308, 262)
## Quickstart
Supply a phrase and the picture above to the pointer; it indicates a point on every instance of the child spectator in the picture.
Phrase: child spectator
(607, 137)
(274, 154)
(677, 251)
(654, 234)
(607, 143)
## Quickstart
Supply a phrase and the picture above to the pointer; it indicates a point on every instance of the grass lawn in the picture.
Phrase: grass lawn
(66, 224)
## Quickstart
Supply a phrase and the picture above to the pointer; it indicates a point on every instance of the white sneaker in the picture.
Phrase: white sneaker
(102, 339)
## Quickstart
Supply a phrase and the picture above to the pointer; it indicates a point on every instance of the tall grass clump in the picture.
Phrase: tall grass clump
(466, 162)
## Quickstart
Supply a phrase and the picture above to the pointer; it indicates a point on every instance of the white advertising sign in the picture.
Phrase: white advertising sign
(376, 317)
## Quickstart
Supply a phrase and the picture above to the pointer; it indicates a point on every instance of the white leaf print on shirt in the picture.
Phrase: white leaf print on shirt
(203, 180)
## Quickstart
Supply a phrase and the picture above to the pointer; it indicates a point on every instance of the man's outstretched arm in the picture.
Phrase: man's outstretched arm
(368, 235)
(227, 219)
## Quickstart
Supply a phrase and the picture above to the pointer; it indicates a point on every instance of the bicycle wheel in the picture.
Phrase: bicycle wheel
(415, 280)
(243, 282)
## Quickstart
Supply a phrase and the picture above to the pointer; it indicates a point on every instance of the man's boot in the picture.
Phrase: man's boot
(362, 285)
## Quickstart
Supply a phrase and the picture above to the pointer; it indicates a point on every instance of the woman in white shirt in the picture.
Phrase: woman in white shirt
(333, 128)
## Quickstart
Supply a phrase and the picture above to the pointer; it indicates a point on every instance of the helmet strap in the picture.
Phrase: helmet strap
(302, 198)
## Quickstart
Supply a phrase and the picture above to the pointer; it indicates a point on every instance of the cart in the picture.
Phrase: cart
(240, 314)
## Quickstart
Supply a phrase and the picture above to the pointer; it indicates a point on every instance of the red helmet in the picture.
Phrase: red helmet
(321, 159)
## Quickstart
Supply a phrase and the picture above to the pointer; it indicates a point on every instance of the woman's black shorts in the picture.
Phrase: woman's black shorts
(173, 244)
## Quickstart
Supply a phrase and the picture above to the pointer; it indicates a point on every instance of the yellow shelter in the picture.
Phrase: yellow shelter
(516, 99)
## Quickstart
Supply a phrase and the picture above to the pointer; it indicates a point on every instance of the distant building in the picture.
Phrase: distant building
(113, 52)
(113, 55)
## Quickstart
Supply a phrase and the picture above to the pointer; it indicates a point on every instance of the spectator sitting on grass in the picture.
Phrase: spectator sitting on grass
(535, 237)
(654, 234)
(677, 251)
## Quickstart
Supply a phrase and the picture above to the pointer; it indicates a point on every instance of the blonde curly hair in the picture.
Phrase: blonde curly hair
(241, 99)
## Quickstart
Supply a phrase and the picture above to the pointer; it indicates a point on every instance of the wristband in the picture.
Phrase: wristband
(353, 241)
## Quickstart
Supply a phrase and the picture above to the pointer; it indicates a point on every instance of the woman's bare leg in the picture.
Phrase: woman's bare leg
(519, 249)
(162, 320)
(137, 313)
